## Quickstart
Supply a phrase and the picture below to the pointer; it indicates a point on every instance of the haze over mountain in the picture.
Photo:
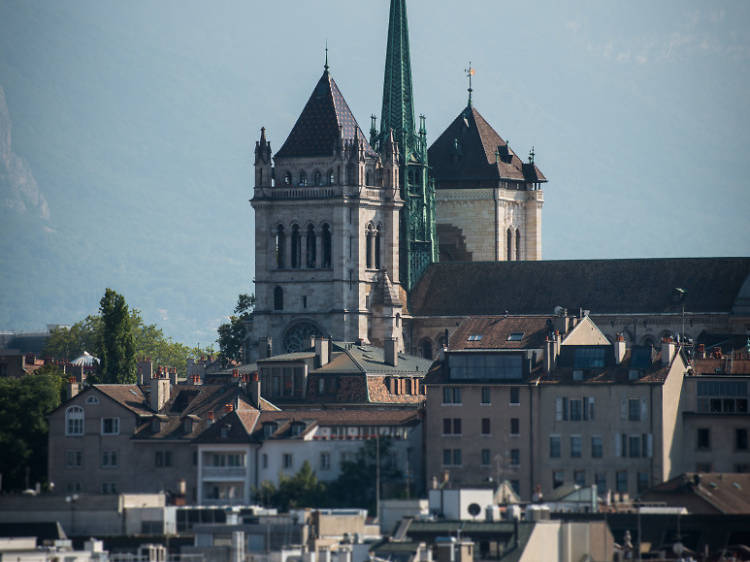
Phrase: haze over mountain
(126, 132)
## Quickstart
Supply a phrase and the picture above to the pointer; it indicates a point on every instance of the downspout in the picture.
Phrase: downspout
(531, 444)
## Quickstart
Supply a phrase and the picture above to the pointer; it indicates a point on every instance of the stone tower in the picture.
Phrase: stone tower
(418, 242)
(489, 202)
(326, 231)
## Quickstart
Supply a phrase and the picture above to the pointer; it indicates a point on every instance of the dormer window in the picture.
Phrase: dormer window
(515, 336)
(269, 429)
(297, 428)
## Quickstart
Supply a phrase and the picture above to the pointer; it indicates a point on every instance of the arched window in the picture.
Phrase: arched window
(518, 244)
(288, 178)
(509, 255)
(296, 248)
(425, 348)
(302, 179)
(278, 298)
(368, 246)
(74, 421)
(331, 179)
(377, 248)
(279, 242)
(318, 178)
(310, 246)
(326, 264)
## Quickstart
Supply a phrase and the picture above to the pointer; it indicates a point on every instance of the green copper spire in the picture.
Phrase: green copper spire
(417, 238)
(398, 107)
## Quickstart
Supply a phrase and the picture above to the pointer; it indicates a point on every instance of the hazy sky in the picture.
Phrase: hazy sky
(637, 111)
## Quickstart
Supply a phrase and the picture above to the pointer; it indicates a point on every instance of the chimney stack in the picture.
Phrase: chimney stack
(322, 351)
(550, 352)
(668, 348)
(254, 389)
(619, 349)
(160, 389)
(390, 351)
(701, 351)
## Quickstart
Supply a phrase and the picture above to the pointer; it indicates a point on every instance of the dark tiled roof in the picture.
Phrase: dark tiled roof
(495, 332)
(602, 286)
(727, 493)
(129, 395)
(464, 156)
(235, 427)
(316, 131)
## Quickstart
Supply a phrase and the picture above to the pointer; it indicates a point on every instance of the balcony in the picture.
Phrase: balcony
(224, 472)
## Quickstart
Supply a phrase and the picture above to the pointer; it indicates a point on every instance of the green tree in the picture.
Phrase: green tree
(232, 334)
(66, 344)
(24, 404)
(117, 345)
(301, 490)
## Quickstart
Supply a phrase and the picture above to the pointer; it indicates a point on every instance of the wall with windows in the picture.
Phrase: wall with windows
(225, 474)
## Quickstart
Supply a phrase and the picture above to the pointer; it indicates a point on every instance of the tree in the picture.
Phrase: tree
(116, 346)
(301, 490)
(24, 405)
(232, 334)
(66, 344)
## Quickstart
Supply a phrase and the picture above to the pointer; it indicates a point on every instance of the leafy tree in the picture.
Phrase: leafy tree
(301, 490)
(68, 343)
(24, 405)
(355, 486)
(116, 345)
(232, 334)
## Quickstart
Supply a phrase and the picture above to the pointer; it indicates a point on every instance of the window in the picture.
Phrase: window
(326, 262)
(621, 481)
(704, 438)
(596, 447)
(558, 478)
(740, 439)
(278, 246)
(600, 479)
(576, 410)
(109, 487)
(451, 457)
(515, 336)
(515, 396)
(377, 248)
(288, 178)
(451, 426)
(317, 178)
(509, 245)
(296, 248)
(634, 446)
(589, 357)
(643, 481)
(725, 397)
(92, 400)
(474, 337)
(110, 426)
(109, 459)
(163, 458)
(278, 298)
(486, 395)
(457, 457)
(743, 467)
(451, 395)
(575, 446)
(310, 247)
(487, 366)
(515, 457)
(302, 178)
(287, 460)
(74, 421)
(554, 446)
(634, 410)
(368, 247)
(485, 426)
(73, 459)
(579, 478)
(515, 426)
(518, 244)
(325, 461)
(485, 457)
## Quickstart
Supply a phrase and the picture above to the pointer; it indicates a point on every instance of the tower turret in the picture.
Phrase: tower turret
(263, 167)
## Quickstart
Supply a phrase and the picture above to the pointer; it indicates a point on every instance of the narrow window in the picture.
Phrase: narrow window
(280, 240)
(330, 177)
(296, 247)
(310, 251)
(579, 478)
(621, 478)
(518, 244)
(740, 439)
(575, 446)
(485, 457)
(288, 178)
(558, 478)
(515, 426)
(485, 426)
(596, 446)
(377, 248)
(278, 298)
(318, 178)
(426, 349)
(509, 236)
(326, 247)
(515, 397)
(486, 395)
(554, 446)
(368, 247)
(74, 421)
(515, 457)
(302, 179)
(704, 438)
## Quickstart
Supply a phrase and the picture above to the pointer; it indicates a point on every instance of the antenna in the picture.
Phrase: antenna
(469, 73)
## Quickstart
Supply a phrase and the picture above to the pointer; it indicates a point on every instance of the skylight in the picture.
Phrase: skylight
(515, 336)
(474, 337)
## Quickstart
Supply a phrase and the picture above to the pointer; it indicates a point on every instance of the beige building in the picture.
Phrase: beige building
(546, 401)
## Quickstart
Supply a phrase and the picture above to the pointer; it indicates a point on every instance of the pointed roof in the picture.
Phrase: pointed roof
(316, 131)
(384, 293)
(471, 154)
(398, 107)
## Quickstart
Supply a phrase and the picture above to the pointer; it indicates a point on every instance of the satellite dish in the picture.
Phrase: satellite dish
(474, 509)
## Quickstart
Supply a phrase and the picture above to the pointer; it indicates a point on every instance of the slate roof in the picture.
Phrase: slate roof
(727, 493)
(364, 358)
(316, 131)
(464, 156)
(602, 286)
(496, 331)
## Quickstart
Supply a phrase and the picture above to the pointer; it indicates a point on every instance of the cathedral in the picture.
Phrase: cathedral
(346, 224)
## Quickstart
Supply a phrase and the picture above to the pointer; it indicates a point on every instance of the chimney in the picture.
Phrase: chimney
(254, 389)
(322, 351)
(390, 351)
(619, 349)
(668, 349)
(265, 347)
(550, 354)
(160, 389)
(72, 388)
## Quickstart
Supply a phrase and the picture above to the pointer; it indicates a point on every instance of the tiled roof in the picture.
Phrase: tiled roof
(129, 395)
(602, 286)
(464, 156)
(235, 427)
(371, 359)
(316, 131)
(724, 366)
(496, 331)
(727, 493)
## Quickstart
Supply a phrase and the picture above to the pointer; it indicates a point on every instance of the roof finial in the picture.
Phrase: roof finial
(469, 72)
(532, 154)
(325, 66)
